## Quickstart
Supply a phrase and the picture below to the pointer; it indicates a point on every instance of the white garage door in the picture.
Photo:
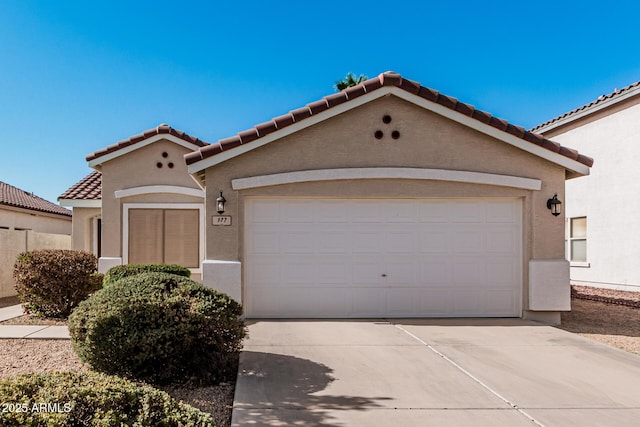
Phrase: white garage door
(383, 258)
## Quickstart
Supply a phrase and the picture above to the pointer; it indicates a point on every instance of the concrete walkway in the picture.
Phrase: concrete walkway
(462, 372)
(28, 331)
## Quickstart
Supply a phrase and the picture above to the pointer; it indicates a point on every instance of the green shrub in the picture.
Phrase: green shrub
(160, 328)
(52, 282)
(90, 399)
(121, 271)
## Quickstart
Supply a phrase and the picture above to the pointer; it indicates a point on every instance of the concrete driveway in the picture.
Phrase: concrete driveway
(458, 372)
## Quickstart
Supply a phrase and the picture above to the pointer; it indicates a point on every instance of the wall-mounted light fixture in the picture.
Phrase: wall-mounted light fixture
(220, 201)
(553, 204)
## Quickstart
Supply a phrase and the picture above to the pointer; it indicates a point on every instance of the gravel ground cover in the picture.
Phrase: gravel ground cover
(18, 356)
(604, 315)
(28, 319)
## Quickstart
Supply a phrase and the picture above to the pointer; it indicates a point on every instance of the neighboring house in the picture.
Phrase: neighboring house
(602, 209)
(28, 222)
(387, 199)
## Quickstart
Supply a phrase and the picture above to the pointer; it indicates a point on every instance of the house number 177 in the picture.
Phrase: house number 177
(222, 220)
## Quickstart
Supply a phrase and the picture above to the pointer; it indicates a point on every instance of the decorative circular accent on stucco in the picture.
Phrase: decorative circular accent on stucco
(379, 134)
(159, 165)
(165, 154)
(386, 119)
(395, 134)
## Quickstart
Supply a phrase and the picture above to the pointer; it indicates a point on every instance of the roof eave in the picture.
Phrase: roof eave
(81, 203)
(572, 165)
(583, 112)
(97, 162)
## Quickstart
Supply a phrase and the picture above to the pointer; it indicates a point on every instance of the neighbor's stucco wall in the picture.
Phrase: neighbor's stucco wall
(22, 230)
(136, 169)
(608, 197)
(427, 140)
(13, 242)
(42, 222)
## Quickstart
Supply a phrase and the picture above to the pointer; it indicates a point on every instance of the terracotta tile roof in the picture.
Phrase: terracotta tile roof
(88, 188)
(12, 196)
(612, 97)
(160, 129)
(385, 79)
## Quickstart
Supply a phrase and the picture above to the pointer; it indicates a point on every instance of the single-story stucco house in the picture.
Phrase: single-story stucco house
(28, 222)
(602, 208)
(387, 199)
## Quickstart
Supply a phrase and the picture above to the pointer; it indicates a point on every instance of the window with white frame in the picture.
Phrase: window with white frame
(576, 239)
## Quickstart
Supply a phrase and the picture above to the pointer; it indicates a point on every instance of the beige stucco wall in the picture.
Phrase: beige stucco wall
(427, 140)
(33, 220)
(22, 230)
(82, 233)
(136, 169)
(13, 242)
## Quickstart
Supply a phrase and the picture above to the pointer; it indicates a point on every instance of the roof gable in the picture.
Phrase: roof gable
(13, 196)
(143, 139)
(385, 84)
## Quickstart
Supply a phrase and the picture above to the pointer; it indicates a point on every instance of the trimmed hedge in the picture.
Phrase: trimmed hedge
(52, 282)
(159, 328)
(121, 271)
(90, 399)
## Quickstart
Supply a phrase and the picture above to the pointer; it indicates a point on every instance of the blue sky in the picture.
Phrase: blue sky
(76, 76)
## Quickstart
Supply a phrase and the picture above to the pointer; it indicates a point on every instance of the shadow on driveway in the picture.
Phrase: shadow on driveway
(275, 389)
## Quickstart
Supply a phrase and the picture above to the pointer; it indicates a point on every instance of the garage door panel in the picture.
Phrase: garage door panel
(401, 270)
(467, 212)
(402, 301)
(433, 239)
(333, 242)
(320, 301)
(435, 270)
(469, 270)
(436, 303)
(301, 272)
(501, 239)
(433, 212)
(501, 271)
(500, 302)
(365, 240)
(403, 241)
(366, 211)
(267, 211)
(332, 211)
(334, 271)
(367, 271)
(469, 302)
(296, 242)
(264, 242)
(368, 302)
(468, 240)
(265, 272)
(502, 211)
(405, 211)
(299, 211)
(383, 258)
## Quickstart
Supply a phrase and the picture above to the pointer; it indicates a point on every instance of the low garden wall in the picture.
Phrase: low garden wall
(13, 242)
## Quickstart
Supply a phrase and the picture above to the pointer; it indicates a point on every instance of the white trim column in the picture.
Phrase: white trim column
(223, 276)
